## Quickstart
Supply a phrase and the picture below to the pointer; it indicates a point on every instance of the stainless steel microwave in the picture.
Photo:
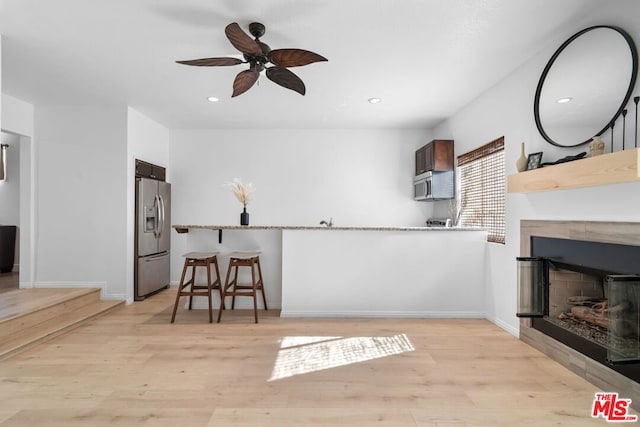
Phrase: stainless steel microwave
(434, 186)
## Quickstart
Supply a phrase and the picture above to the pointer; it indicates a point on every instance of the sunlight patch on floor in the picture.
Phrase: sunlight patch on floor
(303, 354)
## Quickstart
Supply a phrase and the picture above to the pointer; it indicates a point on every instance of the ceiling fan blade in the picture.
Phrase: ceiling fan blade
(212, 62)
(294, 57)
(286, 78)
(241, 40)
(243, 82)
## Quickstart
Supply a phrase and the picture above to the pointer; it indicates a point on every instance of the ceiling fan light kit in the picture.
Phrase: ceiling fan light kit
(259, 55)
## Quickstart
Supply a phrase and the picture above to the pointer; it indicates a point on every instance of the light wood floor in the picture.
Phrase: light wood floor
(132, 367)
(8, 281)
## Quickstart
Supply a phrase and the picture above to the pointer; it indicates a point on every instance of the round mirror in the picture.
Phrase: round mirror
(585, 85)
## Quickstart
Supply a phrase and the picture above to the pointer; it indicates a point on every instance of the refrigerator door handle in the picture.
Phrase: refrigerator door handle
(156, 205)
(161, 216)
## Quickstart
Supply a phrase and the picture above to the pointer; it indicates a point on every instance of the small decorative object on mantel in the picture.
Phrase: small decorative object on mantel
(2, 173)
(636, 99)
(566, 159)
(613, 124)
(596, 147)
(244, 193)
(521, 163)
(534, 161)
(624, 125)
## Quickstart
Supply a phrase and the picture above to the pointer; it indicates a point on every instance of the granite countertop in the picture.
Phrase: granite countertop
(186, 228)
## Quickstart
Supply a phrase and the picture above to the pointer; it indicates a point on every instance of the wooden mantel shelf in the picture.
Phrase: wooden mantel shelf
(612, 168)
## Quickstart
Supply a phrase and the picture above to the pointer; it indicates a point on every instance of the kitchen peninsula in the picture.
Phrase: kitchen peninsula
(364, 271)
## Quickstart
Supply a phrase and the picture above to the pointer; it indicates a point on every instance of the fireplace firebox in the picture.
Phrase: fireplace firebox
(586, 295)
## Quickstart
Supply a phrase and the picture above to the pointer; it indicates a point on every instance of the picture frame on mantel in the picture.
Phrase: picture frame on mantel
(534, 160)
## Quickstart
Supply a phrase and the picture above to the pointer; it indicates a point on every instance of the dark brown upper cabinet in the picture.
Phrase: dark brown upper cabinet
(148, 170)
(435, 156)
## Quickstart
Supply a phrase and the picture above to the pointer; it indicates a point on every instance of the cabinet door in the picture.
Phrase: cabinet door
(428, 156)
(143, 169)
(159, 173)
(421, 166)
(441, 155)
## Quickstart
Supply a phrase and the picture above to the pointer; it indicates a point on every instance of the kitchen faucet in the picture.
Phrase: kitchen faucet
(328, 224)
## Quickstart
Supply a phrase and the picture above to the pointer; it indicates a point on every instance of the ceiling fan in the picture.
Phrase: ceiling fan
(258, 55)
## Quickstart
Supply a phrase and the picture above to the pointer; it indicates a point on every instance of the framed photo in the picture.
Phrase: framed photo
(534, 160)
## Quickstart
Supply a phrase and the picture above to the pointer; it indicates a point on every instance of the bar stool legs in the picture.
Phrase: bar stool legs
(193, 260)
(231, 286)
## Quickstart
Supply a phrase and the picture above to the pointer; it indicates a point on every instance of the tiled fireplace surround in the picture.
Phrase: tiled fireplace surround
(608, 232)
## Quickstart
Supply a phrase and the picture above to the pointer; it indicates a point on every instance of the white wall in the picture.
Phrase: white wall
(149, 141)
(17, 116)
(507, 109)
(146, 140)
(82, 205)
(356, 177)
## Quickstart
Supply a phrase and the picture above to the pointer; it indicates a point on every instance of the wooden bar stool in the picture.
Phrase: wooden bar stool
(193, 260)
(233, 289)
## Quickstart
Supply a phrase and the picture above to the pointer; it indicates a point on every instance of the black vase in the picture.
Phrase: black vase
(244, 217)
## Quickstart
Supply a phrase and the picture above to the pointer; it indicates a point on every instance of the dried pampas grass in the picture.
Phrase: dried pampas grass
(243, 192)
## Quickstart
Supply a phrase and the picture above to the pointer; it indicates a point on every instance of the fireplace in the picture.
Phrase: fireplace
(579, 298)
(585, 295)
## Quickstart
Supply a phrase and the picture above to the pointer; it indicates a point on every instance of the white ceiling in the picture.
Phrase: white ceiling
(426, 59)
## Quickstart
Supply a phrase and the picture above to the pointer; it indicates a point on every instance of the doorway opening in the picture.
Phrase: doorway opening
(16, 212)
(9, 211)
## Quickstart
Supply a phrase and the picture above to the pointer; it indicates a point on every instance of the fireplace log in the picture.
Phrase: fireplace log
(584, 300)
(599, 315)
(590, 315)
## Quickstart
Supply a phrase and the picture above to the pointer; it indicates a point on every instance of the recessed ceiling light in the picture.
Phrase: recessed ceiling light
(374, 100)
(564, 100)
(213, 99)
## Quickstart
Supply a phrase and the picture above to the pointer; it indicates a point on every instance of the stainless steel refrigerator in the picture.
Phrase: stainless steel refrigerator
(153, 236)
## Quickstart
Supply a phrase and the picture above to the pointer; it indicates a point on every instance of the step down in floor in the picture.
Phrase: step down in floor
(31, 316)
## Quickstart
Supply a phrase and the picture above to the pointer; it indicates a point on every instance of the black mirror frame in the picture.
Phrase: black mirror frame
(632, 83)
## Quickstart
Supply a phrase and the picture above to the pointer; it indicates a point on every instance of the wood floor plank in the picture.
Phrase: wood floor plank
(125, 417)
(295, 417)
(132, 367)
(9, 282)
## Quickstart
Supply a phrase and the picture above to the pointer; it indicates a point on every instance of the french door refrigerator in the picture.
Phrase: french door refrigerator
(153, 236)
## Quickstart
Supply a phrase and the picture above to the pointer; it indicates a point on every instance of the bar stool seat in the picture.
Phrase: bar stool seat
(193, 260)
(233, 289)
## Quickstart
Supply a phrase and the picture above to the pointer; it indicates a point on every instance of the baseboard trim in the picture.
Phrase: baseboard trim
(386, 314)
(113, 297)
(503, 325)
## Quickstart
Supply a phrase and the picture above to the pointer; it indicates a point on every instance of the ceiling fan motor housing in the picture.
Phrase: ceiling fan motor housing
(257, 29)
(256, 65)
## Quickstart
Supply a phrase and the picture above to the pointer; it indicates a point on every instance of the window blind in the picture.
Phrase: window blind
(482, 189)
